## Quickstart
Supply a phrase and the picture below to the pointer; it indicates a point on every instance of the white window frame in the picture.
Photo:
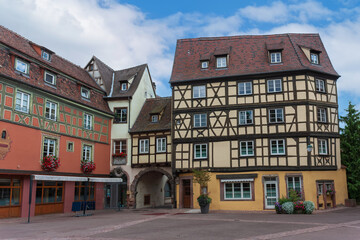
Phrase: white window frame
(279, 113)
(88, 121)
(275, 57)
(53, 78)
(323, 147)
(243, 117)
(204, 64)
(201, 146)
(85, 93)
(155, 118)
(47, 144)
(293, 183)
(121, 114)
(200, 117)
(52, 108)
(45, 55)
(320, 85)
(243, 88)
(120, 146)
(199, 91)
(272, 85)
(247, 147)
(87, 153)
(322, 115)
(277, 141)
(161, 145)
(20, 95)
(122, 86)
(233, 191)
(19, 63)
(314, 58)
(221, 62)
(144, 146)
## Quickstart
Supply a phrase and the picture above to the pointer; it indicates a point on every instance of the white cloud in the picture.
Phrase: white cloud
(277, 12)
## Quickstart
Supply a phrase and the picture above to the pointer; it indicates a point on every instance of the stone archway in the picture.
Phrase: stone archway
(137, 179)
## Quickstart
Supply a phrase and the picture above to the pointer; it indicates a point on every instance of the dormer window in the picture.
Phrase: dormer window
(155, 118)
(314, 57)
(221, 62)
(91, 67)
(45, 55)
(49, 78)
(204, 64)
(124, 86)
(21, 66)
(85, 93)
(275, 57)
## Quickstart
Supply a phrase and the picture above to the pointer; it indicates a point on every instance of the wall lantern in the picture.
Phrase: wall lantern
(309, 148)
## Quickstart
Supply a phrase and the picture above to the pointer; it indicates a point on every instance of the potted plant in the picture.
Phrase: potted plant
(203, 177)
(50, 163)
(87, 166)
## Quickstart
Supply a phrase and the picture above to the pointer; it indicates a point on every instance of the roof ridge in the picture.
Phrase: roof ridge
(103, 62)
(144, 64)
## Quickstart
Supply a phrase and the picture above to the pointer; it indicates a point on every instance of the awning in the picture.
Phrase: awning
(237, 180)
(74, 179)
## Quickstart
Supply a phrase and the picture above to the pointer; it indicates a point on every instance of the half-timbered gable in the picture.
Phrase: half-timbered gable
(254, 103)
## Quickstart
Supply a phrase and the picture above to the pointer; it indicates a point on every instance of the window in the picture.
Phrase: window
(274, 85)
(320, 188)
(123, 86)
(323, 147)
(87, 153)
(80, 191)
(21, 66)
(120, 115)
(276, 115)
(87, 121)
(294, 183)
(49, 78)
(91, 67)
(155, 118)
(200, 120)
(245, 88)
(320, 85)
(275, 57)
(70, 146)
(237, 190)
(277, 147)
(50, 110)
(49, 147)
(321, 115)
(161, 145)
(314, 58)
(200, 151)
(85, 93)
(45, 55)
(3, 134)
(199, 91)
(10, 192)
(247, 148)
(144, 146)
(119, 146)
(221, 62)
(49, 192)
(204, 64)
(22, 102)
(245, 117)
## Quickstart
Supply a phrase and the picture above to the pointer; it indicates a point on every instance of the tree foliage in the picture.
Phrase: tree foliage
(350, 149)
(201, 177)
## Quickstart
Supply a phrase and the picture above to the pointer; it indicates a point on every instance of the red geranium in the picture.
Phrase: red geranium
(50, 163)
(122, 154)
(87, 166)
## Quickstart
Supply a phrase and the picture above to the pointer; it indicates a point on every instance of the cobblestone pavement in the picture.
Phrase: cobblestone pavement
(342, 223)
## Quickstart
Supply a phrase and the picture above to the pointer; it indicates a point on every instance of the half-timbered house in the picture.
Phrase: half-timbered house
(126, 91)
(261, 114)
(49, 108)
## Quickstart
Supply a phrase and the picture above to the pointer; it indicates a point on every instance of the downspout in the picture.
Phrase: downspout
(112, 85)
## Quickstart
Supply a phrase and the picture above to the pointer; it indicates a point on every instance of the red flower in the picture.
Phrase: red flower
(50, 163)
(87, 166)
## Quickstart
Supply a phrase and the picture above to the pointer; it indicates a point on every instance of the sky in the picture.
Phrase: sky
(128, 33)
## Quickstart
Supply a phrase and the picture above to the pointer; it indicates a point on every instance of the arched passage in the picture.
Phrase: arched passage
(148, 188)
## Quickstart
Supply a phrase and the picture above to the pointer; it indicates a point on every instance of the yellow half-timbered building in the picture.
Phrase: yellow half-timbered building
(261, 114)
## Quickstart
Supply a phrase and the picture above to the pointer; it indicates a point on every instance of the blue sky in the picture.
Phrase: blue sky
(129, 33)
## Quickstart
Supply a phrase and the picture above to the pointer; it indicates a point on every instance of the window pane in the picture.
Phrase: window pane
(5, 182)
(49, 195)
(59, 194)
(38, 194)
(15, 198)
(4, 196)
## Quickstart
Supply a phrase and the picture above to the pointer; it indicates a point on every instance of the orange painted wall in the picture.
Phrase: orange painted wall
(26, 148)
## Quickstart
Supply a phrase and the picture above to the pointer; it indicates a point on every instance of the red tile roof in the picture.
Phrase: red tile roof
(20, 46)
(247, 55)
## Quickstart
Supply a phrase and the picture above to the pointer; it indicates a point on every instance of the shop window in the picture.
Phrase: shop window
(10, 192)
(49, 192)
(80, 188)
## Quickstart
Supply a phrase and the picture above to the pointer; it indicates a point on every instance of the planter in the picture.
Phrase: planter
(350, 202)
(298, 211)
(119, 160)
(205, 208)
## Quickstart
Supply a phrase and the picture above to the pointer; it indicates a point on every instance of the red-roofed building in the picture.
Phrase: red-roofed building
(261, 114)
(49, 109)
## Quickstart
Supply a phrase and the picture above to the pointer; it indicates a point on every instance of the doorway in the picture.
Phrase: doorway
(186, 199)
(271, 192)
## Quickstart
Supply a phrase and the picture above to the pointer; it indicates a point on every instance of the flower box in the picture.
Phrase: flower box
(119, 160)
(87, 166)
(50, 163)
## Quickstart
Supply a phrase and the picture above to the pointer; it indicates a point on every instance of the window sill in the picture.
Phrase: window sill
(200, 159)
(277, 154)
(274, 92)
(236, 200)
(246, 125)
(275, 123)
(119, 122)
(199, 128)
(247, 94)
(22, 74)
(276, 63)
(199, 98)
(85, 99)
(325, 123)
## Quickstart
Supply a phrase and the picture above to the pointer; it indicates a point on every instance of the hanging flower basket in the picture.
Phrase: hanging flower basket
(50, 163)
(87, 166)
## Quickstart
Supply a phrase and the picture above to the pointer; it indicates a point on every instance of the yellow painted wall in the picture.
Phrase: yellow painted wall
(309, 188)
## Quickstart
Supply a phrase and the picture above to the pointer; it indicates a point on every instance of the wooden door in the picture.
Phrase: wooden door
(186, 193)
(271, 194)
